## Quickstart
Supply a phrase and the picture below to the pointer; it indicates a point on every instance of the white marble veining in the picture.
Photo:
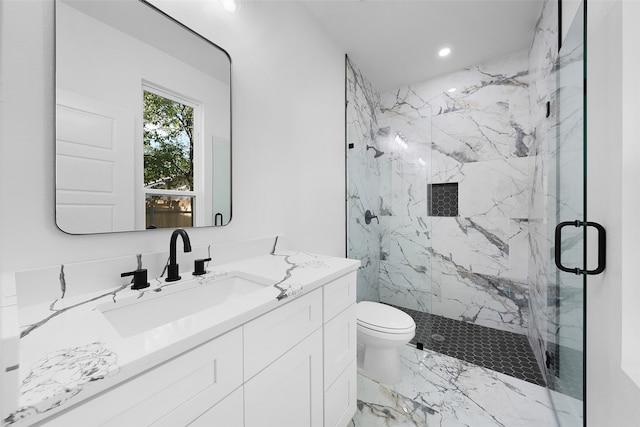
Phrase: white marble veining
(363, 188)
(58, 376)
(437, 390)
(69, 351)
(542, 57)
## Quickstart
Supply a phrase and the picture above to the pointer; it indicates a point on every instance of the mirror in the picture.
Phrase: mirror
(143, 121)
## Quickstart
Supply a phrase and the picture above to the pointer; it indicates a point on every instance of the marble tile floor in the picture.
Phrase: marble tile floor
(438, 390)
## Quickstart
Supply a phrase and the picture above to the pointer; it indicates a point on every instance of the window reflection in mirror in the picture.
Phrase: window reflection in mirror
(169, 155)
(168, 143)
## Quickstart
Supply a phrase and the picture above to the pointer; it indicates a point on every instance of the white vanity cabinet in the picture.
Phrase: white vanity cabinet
(293, 366)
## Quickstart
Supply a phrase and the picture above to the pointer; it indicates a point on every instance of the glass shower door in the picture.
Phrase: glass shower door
(564, 356)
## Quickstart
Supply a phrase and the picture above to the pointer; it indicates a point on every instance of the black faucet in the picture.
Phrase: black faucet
(172, 268)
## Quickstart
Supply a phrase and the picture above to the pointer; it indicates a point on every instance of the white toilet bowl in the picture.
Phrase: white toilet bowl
(382, 331)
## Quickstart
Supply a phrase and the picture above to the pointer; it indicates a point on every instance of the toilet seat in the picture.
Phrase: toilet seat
(383, 318)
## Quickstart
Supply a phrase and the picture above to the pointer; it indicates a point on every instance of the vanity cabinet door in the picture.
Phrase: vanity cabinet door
(227, 413)
(268, 337)
(339, 294)
(340, 399)
(289, 391)
(340, 349)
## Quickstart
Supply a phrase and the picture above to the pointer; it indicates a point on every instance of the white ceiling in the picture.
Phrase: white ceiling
(396, 42)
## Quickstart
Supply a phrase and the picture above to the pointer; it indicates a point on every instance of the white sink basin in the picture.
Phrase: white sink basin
(134, 315)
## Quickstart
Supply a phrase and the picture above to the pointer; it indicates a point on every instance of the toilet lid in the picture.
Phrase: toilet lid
(383, 317)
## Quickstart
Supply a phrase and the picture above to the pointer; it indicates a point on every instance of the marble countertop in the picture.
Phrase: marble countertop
(69, 350)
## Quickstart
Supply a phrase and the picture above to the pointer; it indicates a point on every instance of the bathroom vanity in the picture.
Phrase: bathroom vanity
(276, 347)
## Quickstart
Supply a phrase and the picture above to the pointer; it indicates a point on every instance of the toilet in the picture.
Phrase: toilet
(382, 331)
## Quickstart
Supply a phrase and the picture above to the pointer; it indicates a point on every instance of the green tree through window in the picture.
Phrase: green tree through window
(168, 143)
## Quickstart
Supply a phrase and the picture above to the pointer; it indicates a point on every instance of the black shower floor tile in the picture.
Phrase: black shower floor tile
(501, 351)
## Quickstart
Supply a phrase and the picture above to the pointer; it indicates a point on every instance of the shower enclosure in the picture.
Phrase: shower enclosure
(444, 165)
(455, 186)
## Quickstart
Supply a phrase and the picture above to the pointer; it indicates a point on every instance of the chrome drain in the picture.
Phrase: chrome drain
(437, 337)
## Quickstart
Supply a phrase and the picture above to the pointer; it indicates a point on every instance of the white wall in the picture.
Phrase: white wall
(630, 194)
(569, 11)
(612, 398)
(288, 134)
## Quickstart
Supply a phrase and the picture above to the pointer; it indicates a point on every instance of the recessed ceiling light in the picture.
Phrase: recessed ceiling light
(444, 51)
(453, 89)
(229, 5)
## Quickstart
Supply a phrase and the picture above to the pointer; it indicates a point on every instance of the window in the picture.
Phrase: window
(170, 148)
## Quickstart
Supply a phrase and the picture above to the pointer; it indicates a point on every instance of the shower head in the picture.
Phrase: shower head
(378, 152)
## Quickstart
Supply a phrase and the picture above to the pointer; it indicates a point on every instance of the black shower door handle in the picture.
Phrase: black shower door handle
(602, 247)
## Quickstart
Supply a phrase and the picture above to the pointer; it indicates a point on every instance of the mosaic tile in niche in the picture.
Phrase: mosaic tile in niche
(443, 199)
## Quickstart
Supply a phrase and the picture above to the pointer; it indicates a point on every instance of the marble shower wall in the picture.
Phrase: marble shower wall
(542, 60)
(405, 261)
(473, 266)
(363, 178)
(557, 297)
